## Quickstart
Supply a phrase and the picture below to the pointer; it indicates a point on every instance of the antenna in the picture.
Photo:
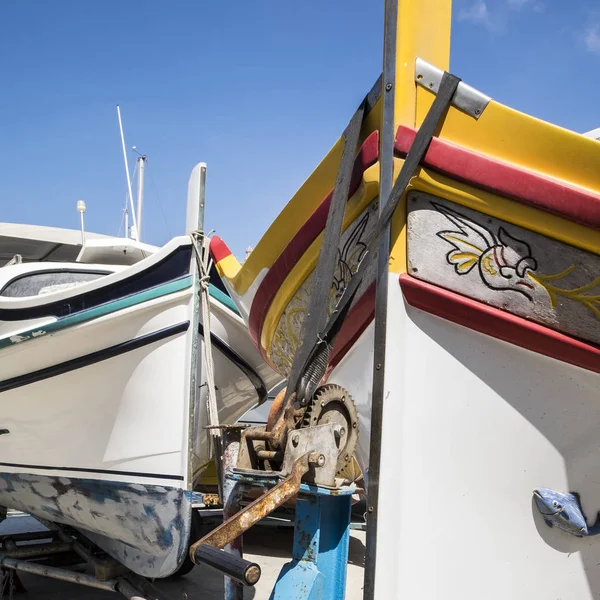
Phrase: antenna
(126, 217)
(133, 217)
(81, 211)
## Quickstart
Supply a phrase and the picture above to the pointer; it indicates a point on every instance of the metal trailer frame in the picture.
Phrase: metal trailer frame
(321, 537)
(49, 553)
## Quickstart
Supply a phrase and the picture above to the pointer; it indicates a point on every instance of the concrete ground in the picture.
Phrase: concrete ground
(269, 546)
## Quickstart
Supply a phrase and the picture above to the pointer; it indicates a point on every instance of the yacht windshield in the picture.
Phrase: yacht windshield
(34, 284)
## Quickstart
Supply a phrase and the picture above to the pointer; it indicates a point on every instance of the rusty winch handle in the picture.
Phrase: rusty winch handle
(257, 510)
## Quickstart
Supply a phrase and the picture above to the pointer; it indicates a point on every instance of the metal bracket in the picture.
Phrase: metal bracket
(320, 442)
(466, 98)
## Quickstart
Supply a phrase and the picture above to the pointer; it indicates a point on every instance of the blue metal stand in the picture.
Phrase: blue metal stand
(321, 538)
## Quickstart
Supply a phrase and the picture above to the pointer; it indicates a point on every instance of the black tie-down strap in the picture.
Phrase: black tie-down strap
(311, 360)
(316, 316)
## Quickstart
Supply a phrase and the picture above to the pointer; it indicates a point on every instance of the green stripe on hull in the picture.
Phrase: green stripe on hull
(98, 311)
(218, 295)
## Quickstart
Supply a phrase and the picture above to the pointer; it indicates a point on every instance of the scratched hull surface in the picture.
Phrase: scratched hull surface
(144, 526)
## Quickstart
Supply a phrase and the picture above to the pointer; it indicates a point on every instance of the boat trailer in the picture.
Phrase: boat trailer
(56, 553)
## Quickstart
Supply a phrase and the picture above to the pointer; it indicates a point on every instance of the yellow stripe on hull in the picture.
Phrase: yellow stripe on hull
(366, 193)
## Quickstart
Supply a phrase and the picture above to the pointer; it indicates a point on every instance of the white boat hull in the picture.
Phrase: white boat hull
(97, 421)
(125, 413)
(99, 418)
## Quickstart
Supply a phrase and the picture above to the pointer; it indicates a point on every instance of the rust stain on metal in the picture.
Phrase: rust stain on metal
(284, 423)
(257, 510)
(257, 433)
(211, 500)
(270, 455)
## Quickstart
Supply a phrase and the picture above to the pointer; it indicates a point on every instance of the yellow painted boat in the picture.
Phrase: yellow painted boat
(472, 349)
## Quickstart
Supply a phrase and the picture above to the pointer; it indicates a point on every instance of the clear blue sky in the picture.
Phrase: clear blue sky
(258, 89)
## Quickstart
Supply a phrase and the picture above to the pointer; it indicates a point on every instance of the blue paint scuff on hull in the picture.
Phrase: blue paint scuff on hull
(146, 527)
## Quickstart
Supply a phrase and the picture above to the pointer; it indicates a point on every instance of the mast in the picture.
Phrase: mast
(141, 161)
(133, 215)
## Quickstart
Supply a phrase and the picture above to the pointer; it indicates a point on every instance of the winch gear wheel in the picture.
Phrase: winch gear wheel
(331, 403)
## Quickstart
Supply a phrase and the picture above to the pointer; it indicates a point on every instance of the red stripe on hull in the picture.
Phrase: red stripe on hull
(357, 320)
(502, 178)
(499, 324)
(306, 235)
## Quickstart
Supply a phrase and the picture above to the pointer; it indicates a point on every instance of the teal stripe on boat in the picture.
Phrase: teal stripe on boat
(99, 311)
(217, 294)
